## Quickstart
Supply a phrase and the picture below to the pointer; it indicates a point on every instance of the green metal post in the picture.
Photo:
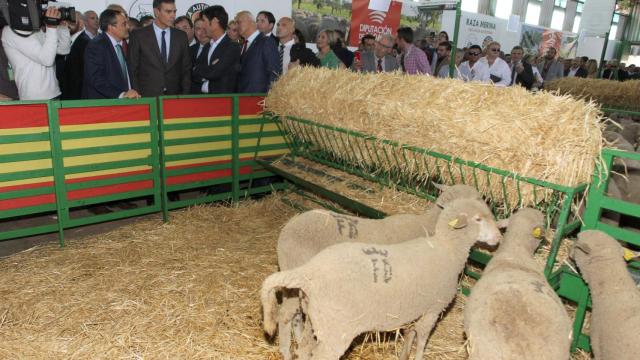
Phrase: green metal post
(164, 203)
(235, 149)
(57, 163)
(454, 46)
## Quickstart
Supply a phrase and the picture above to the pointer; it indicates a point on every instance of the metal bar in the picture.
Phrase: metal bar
(30, 210)
(26, 156)
(57, 162)
(454, 46)
(559, 235)
(235, 149)
(106, 149)
(72, 135)
(109, 181)
(111, 216)
(36, 230)
(109, 198)
(158, 170)
(16, 139)
(197, 125)
(25, 193)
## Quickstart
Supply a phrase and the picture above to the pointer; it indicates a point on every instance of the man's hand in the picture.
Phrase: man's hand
(131, 94)
(357, 64)
(519, 68)
(52, 12)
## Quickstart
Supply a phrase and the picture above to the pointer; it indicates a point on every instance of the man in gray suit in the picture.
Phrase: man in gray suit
(159, 55)
(378, 60)
(551, 68)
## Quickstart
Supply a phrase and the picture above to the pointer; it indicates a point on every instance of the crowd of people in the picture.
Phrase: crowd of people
(111, 55)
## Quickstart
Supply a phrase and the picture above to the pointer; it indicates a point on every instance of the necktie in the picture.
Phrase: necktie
(281, 53)
(244, 46)
(404, 70)
(380, 65)
(123, 63)
(163, 48)
(513, 75)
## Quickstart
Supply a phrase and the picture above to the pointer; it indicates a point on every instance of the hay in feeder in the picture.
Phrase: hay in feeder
(552, 138)
(610, 94)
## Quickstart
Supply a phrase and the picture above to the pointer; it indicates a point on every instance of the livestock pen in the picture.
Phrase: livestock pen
(188, 288)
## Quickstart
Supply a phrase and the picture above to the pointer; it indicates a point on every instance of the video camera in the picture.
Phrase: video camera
(29, 15)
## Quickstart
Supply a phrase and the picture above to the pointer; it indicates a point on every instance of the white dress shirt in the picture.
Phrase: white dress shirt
(478, 72)
(114, 42)
(572, 72)
(501, 69)
(167, 38)
(33, 60)
(251, 38)
(286, 57)
(213, 45)
(89, 34)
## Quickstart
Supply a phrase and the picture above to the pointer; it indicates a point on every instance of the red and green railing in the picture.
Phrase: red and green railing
(59, 157)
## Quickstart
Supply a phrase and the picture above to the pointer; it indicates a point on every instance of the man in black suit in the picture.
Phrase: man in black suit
(72, 76)
(521, 71)
(217, 68)
(260, 59)
(159, 55)
(266, 21)
(106, 72)
(576, 69)
(202, 40)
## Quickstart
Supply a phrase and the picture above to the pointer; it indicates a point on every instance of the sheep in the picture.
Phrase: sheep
(615, 315)
(324, 228)
(512, 312)
(350, 288)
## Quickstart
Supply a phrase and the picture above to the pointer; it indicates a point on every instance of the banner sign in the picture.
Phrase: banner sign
(370, 21)
(536, 40)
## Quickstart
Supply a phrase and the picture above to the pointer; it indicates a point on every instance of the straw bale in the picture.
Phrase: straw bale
(612, 94)
(543, 136)
(188, 289)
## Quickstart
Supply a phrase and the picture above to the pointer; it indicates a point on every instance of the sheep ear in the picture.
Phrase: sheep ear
(458, 222)
(583, 247)
(441, 187)
(502, 223)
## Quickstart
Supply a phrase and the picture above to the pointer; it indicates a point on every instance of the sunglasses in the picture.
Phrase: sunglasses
(474, 53)
(495, 50)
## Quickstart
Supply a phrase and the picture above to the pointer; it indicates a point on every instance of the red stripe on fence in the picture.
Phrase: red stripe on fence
(103, 114)
(251, 105)
(108, 176)
(23, 202)
(198, 107)
(26, 186)
(188, 178)
(109, 190)
(23, 116)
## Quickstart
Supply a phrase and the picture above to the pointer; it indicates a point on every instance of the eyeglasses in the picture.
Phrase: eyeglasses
(474, 53)
(385, 46)
(495, 50)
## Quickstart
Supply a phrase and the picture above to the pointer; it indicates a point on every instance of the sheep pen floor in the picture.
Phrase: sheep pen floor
(188, 289)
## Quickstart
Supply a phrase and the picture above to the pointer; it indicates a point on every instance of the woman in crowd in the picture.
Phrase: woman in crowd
(328, 59)
(233, 33)
(499, 71)
(592, 68)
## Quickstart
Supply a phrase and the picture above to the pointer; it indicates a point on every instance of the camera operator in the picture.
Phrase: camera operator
(32, 56)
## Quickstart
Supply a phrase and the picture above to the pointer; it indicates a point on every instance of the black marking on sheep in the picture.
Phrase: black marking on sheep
(374, 270)
(373, 251)
(379, 255)
(351, 223)
(388, 271)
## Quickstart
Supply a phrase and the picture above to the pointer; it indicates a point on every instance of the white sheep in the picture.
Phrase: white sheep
(307, 234)
(351, 288)
(512, 312)
(615, 315)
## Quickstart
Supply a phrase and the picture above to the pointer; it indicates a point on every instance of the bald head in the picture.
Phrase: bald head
(285, 29)
(246, 23)
(91, 22)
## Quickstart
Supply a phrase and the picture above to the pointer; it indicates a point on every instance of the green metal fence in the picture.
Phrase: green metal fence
(393, 164)
(59, 157)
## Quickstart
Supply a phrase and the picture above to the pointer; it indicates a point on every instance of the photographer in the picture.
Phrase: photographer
(32, 56)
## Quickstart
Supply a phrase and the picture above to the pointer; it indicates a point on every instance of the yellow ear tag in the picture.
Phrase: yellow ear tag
(628, 254)
(537, 233)
(453, 223)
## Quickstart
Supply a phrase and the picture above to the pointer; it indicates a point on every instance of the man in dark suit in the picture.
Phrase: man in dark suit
(202, 40)
(106, 72)
(72, 75)
(378, 60)
(576, 69)
(159, 55)
(266, 21)
(260, 59)
(521, 71)
(217, 68)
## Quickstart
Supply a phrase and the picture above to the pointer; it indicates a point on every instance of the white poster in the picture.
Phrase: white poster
(596, 16)
(138, 8)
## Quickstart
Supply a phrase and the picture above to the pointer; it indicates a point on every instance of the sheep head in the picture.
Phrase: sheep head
(472, 219)
(525, 228)
(450, 193)
(595, 246)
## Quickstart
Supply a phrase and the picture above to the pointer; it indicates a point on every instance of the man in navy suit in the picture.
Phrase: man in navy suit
(260, 59)
(217, 68)
(106, 72)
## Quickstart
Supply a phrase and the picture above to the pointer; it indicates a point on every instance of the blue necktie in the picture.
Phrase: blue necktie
(163, 48)
(123, 63)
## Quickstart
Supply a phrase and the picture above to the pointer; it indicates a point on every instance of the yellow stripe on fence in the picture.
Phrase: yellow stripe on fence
(184, 149)
(22, 148)
(186, 134)
(105, 141)
(106, 172)
(197, 119)
(26, 181)
(108, 157)
(24, 131)
(104, 126)
(25, 166)
(199, 161)
(256, 128)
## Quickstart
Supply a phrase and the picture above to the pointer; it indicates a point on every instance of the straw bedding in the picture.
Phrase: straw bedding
(543, 136)
(187, 289)
(611, 94)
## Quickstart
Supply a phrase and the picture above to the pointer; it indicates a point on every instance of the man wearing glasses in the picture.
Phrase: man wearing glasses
(378, 60)
(472, 69)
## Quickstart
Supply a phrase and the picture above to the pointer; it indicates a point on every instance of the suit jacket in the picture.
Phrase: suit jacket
(151, 76)
(222, 71)
(73, 74)
(103, 78)
(260, 66)
(555, 71)
(193, 49)
(7, 87)
(370, 62)
(526, 77)
(581, 72)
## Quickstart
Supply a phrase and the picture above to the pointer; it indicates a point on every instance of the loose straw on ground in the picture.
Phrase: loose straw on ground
(551, 138)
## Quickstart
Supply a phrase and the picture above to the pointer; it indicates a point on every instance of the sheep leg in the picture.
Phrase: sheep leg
(408, 343)
(287, 314)
(306, 342)
(423, 330)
